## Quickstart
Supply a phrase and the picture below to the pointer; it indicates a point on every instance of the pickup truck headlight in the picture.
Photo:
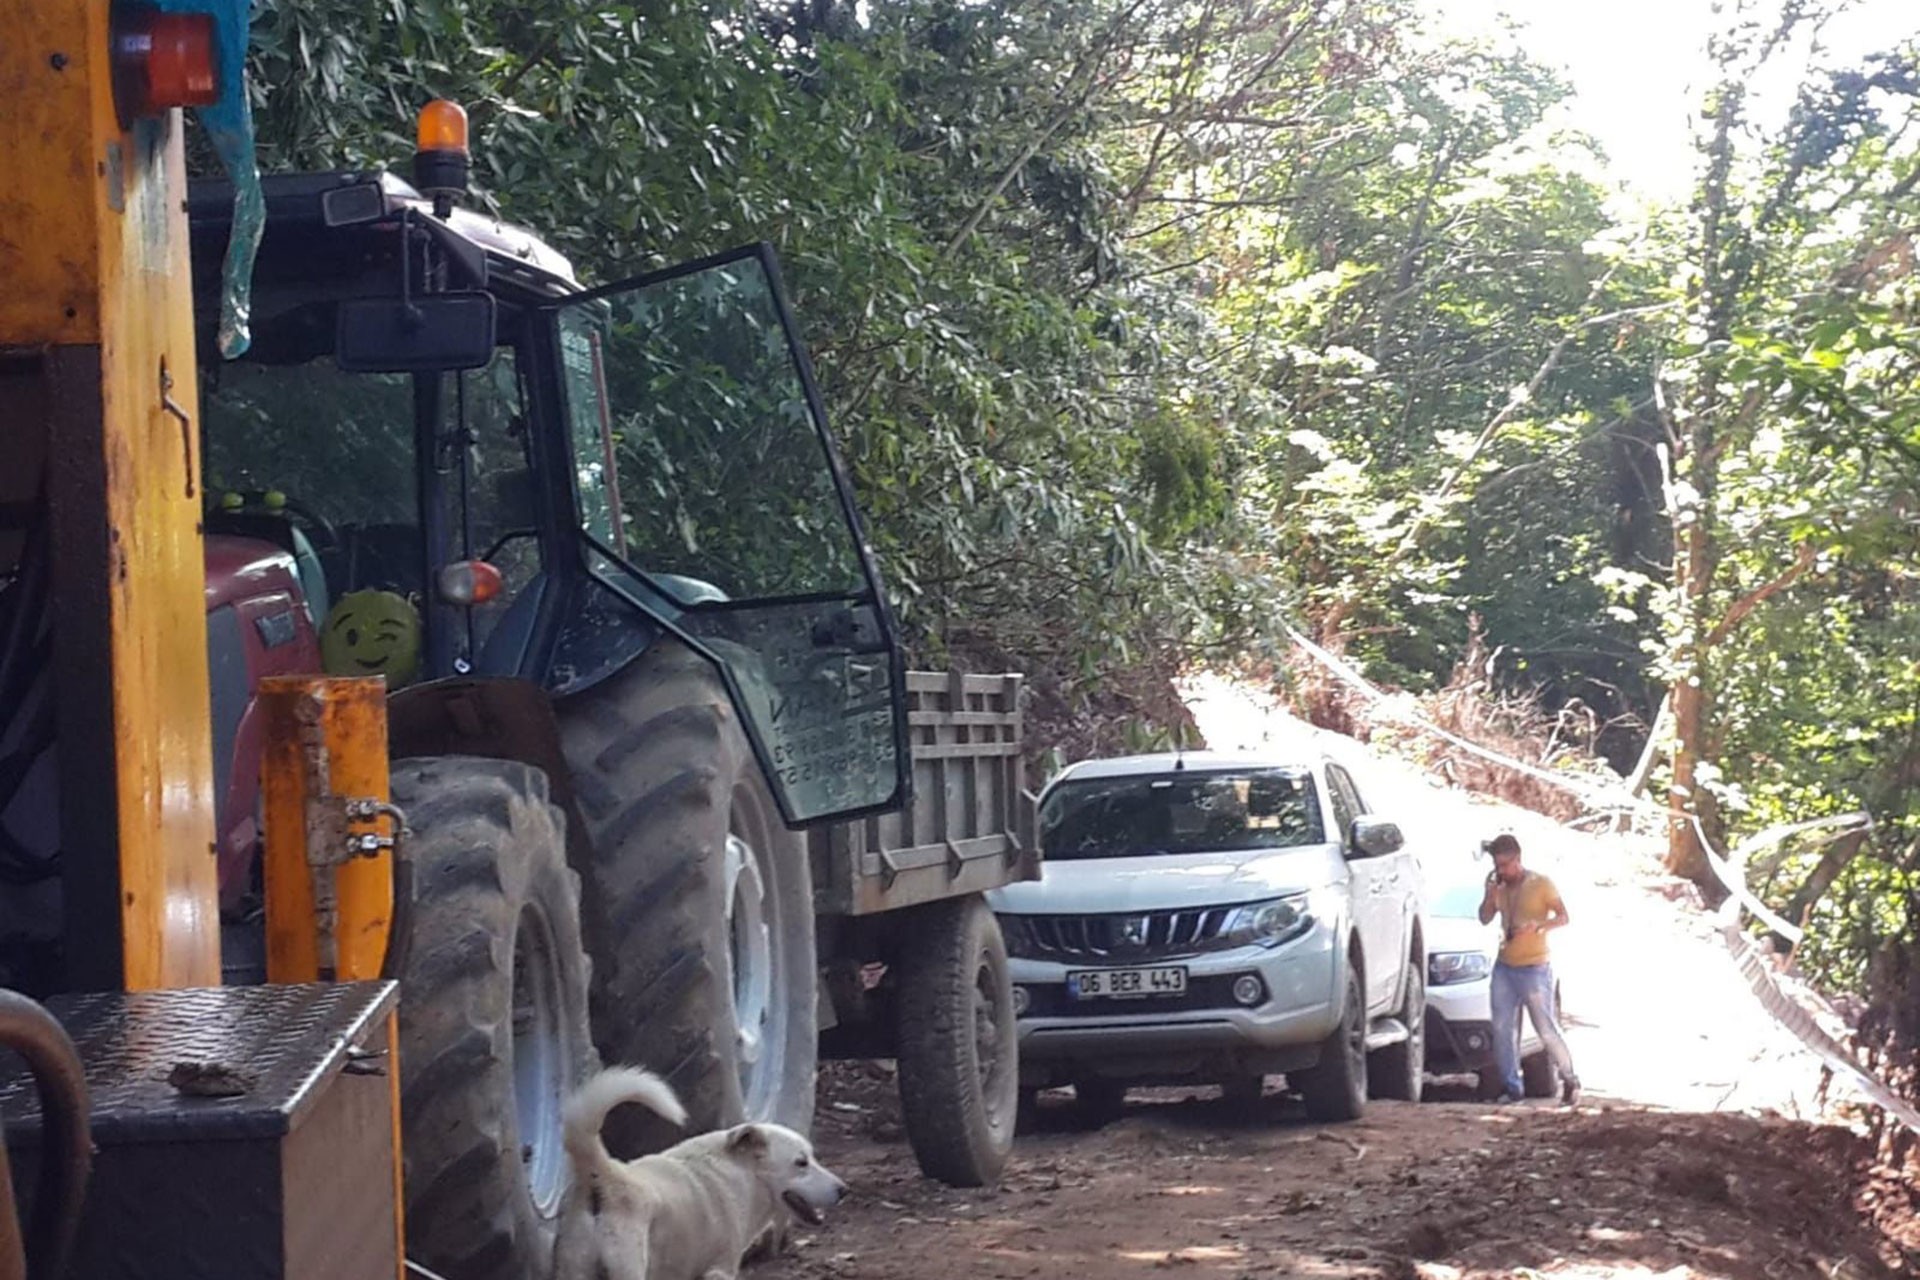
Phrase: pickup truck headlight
(1448, 968)
(1270, 923)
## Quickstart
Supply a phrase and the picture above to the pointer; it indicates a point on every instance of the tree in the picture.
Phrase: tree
(1775, 358)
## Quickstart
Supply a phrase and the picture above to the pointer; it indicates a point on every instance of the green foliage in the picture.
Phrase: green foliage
(1791, 386)
(1144, 321)
(1076, 274)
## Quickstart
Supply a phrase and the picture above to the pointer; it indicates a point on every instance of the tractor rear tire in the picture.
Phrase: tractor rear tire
(493, 1016)
(698, 902)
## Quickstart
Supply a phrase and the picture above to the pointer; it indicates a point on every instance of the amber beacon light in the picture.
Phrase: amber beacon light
(162, 61)
(440, 159)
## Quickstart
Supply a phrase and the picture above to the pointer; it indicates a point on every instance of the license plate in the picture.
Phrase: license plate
(1093, 984)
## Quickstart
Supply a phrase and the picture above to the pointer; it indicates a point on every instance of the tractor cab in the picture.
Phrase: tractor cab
(442, 459)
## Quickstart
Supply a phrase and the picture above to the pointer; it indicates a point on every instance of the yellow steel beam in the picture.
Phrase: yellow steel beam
(93, 253)
(325, 746)
(50, 145)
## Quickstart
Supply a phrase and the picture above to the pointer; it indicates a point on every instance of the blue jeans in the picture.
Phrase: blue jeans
(1531, 987)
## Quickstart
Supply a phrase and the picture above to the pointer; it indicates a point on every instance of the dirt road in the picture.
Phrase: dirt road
(1692, 1156)
(1438, 1190)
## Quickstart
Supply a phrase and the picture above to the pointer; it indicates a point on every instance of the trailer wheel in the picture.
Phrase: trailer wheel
(493, 1016)
(698, 902)
(958, 1048)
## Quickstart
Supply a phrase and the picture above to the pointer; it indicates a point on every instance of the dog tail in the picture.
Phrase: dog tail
(587, 1110)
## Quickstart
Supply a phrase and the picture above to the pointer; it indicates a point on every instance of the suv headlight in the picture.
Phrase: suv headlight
(1270, 923)
(1447, 968)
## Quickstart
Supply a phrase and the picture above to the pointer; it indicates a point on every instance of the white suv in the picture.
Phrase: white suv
(1218, 919)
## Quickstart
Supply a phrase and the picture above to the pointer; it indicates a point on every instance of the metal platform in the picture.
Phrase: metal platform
(235, 1129)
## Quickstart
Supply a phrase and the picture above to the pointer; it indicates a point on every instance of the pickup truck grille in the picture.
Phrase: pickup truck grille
(1133, 935)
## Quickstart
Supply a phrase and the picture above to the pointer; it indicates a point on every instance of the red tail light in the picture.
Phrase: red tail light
(162, 61)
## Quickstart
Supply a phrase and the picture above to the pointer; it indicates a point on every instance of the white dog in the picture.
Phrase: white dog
(688, 1213)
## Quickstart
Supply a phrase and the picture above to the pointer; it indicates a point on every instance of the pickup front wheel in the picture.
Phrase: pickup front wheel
(1335, 1088)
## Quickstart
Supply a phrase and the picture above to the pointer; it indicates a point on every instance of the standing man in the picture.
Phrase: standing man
(1529, 907)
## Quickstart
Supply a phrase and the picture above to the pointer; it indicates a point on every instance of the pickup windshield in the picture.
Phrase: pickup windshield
(1157, 814)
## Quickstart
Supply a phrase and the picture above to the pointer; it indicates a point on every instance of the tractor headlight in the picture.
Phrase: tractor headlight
(1270, 923)
(1449, 968)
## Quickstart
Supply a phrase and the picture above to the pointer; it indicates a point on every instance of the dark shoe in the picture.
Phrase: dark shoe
(1570, 1092)
(1505, 1098)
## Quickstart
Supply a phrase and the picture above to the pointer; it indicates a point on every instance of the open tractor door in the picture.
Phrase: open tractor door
(601, 547)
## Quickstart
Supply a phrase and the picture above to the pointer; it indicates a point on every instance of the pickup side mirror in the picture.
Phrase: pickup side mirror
(1374, 838)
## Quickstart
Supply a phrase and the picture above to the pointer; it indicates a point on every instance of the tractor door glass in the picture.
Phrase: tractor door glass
(582, 364)
(696, 449)
(502, 526)
(309, 456)
(702, 463)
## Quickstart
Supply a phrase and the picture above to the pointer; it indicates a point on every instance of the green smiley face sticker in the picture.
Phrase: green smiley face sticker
(372, 633)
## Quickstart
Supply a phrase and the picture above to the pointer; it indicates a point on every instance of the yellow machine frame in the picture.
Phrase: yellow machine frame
(93, 252)
(97, 366)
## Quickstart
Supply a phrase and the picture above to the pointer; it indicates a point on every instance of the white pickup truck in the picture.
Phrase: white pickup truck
(1218, 918)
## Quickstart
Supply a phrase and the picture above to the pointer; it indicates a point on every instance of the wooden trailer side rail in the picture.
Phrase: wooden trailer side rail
(970, 825)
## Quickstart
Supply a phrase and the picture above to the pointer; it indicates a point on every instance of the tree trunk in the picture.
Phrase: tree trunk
(1691, 505)
(1696, 560)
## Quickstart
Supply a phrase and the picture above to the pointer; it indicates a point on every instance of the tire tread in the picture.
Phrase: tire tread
(485, 839)
(948, 1125)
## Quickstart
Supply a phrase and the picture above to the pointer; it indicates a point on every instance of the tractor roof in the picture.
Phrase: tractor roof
(306, 249)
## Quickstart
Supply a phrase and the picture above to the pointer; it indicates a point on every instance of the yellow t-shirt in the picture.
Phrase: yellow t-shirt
(1529, 902)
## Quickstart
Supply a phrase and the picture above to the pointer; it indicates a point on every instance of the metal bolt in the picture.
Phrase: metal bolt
(58, 62)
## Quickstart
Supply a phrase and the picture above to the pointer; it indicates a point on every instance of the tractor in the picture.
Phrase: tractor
(600, 547)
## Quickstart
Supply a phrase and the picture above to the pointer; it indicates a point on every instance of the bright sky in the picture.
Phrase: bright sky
(1636, 66)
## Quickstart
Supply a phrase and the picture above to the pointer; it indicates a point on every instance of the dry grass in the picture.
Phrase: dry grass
(1470, 706)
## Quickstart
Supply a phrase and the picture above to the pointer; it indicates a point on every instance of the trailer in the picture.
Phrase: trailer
(913, 965)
